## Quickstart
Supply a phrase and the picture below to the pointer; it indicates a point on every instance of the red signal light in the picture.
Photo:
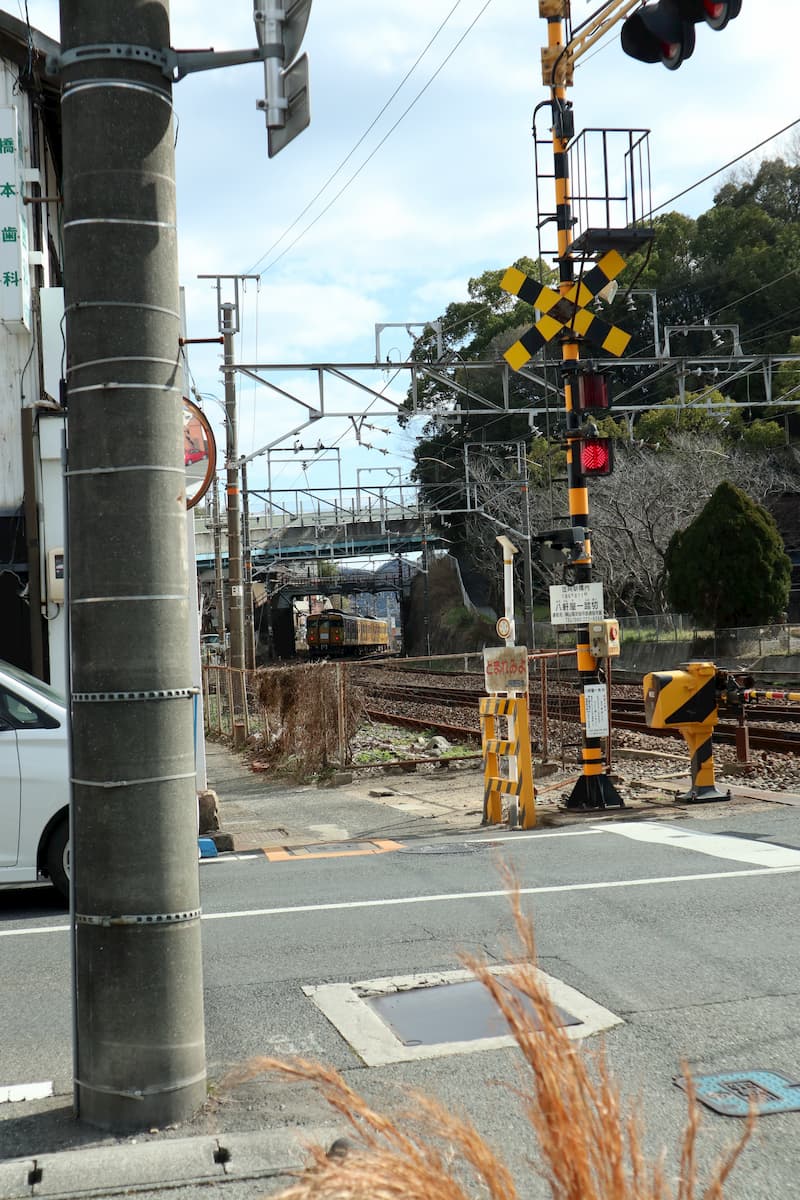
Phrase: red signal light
(717, 13)
(592, 392)
(596, 456)
(663, 30)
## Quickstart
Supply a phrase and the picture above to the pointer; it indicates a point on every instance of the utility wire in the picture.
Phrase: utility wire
(748, 295)
(732, 163)
(383, 140)
(364, 135)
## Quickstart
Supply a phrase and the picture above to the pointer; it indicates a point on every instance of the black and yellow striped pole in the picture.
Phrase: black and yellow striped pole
(594, 789)
(564, 314)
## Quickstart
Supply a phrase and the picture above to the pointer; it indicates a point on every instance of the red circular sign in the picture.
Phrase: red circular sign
(199, 452)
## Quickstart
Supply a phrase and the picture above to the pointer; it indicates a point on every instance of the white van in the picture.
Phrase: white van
(34, 781)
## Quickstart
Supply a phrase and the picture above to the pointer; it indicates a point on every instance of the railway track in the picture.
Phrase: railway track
(626, 713)
(456, 733)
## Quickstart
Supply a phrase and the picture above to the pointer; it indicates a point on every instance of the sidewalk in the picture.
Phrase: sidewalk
(249, 1164)
(261, 811)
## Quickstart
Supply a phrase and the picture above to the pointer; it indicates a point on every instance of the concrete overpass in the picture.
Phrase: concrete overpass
(336, 532)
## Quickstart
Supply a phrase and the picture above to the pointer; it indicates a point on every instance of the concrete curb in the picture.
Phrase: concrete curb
(129, 1168)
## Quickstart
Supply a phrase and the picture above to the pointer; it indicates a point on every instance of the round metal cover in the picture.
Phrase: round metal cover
(446, 848)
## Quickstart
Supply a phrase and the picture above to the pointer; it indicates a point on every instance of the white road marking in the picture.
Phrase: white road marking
(449, 897)
(35, 929)
(26, 1091)
(521, 837)
(345, 1005)
(718, 845)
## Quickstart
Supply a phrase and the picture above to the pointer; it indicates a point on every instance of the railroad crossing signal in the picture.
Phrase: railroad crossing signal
(596, 456)
(663, 31)
(565, 313)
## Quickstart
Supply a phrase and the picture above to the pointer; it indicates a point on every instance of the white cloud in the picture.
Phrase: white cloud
(451, 193)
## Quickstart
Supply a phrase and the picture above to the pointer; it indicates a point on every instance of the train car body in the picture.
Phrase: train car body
(335, 634)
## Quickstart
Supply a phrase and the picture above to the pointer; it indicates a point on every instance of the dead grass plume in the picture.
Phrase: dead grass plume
(311, 714)
(589, 1142)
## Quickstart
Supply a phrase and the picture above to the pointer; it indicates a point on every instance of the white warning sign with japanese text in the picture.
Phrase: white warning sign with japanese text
(505, 668)
(596, 701)
(577, 604)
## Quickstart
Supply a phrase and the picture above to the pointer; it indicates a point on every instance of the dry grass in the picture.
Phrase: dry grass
(590, 1145)
(301, 716)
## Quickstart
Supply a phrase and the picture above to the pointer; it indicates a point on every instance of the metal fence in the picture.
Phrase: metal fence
(748, 642)
(230, 704)
(233, 710)
(756, 641)
(553, 696)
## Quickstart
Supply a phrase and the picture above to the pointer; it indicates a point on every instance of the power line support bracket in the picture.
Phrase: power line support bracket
(174, 64)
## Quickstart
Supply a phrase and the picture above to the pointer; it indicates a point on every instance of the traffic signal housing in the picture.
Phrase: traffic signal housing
(590, 392)
(663, 31)
(596, 456)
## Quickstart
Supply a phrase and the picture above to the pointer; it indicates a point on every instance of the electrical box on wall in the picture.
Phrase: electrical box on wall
(604, 638)
(55, 575)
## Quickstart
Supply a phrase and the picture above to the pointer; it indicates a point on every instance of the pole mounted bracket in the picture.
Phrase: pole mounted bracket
(563, 545)
(174, 64)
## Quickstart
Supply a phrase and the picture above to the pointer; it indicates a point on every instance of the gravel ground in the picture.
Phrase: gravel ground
(665, 758)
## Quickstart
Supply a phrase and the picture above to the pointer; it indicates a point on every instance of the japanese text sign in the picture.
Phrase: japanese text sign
(505, 668)
(577, 604)
(596, 703)
(15, 292)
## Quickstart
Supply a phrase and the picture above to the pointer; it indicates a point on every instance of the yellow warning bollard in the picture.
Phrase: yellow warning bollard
(687, 700)
(515, 747)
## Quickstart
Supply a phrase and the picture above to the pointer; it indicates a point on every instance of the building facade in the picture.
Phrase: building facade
(32, 560)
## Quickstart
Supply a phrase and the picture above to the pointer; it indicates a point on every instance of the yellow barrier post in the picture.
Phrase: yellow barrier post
(515, 748)
(687, 700)
(506, 671)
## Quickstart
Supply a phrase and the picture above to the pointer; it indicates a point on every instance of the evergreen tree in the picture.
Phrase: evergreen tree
(729, 567)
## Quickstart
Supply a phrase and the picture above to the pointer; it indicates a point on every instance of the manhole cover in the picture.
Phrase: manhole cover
(407, 1018)
(447, 848)
(450, 1012)
(732, 1092)
(329, 847)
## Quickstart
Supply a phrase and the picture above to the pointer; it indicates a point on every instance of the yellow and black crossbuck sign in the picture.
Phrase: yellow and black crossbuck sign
(567, 312)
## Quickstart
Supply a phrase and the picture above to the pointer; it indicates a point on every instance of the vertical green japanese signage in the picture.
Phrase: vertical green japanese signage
(15, 290)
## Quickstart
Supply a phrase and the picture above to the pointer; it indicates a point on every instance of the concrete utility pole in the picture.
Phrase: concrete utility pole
(140, 1051)
(525, 523)
(229, 327)
(219, 585)
(229, 323)
(247, 571)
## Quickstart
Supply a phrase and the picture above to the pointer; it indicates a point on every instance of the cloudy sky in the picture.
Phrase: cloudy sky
(415, 174)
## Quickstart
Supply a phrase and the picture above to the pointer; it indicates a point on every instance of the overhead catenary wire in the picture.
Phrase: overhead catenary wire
(726, 166)
(360, 141)
(477, 312)
(664, 204)
(381, 143)
(685, 191)
(755, 292)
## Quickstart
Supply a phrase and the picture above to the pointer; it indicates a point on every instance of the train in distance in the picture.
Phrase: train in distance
(334, 634)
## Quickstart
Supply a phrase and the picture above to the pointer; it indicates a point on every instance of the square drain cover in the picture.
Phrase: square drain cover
(403, 1018)
(449, 1012)
(732, 1092)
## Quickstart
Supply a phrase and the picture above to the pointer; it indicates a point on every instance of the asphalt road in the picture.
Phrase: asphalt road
(687, 931)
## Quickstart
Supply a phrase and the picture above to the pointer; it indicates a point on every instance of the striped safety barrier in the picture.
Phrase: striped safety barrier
(753, 695)
(515, 749)
(686, 699)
